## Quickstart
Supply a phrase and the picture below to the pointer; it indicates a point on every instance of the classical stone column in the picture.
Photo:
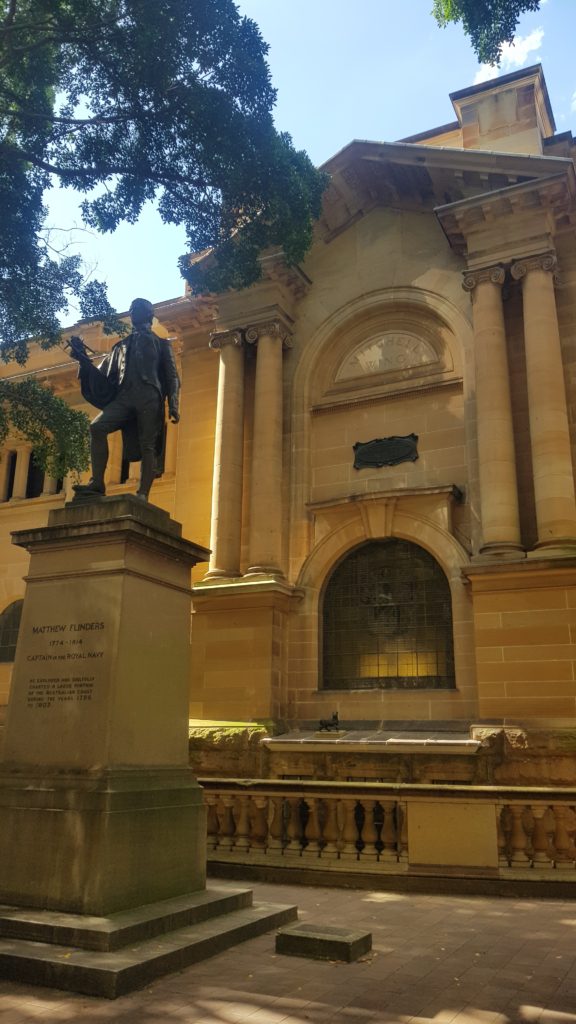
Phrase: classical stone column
(549, 431)
(4, 474)
(226, 523)
(497, 463)
(265, 537)
(50, 485)
(23, 456)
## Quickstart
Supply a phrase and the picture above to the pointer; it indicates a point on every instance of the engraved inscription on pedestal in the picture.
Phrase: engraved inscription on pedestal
(63, 659)
(62, 676)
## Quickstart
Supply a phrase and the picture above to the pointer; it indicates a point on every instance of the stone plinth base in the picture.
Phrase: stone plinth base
(323, 943)
(96, 843)
(109, 956)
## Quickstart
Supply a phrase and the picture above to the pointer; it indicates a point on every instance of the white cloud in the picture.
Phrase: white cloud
(485, 73)
(514, 55)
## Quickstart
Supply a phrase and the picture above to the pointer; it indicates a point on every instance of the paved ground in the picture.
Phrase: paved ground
(465, 960)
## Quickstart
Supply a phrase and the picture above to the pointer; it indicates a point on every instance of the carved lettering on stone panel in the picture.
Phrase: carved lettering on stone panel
(387, 353)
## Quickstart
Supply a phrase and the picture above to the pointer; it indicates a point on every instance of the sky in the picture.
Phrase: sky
(372, 69)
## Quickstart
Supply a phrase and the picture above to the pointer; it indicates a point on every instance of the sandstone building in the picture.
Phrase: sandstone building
(437, 593)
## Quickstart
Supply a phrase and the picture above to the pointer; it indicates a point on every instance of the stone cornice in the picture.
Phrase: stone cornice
(365, 175)
(350, 401)
(554, 194)
(293, 278)
(187, 313)
(472, 278)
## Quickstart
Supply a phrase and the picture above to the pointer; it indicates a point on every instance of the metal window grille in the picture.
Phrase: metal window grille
(9, 627)
(387, 621)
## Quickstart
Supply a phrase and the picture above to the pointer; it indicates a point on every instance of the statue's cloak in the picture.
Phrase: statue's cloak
(100, 385)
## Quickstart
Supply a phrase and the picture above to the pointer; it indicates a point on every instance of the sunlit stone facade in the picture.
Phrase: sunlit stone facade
(438, 300)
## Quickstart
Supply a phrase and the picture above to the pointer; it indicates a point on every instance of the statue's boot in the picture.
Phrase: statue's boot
(99, 459)
(147, 475)
(92, 487)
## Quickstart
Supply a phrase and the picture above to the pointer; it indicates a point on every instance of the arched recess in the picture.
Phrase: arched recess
(384, 343)
(353, 527)
(320, 376)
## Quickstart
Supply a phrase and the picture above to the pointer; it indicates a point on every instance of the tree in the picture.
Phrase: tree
(129, 101)
(489, 23)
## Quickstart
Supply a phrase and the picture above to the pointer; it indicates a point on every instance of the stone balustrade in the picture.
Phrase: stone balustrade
(493, 832)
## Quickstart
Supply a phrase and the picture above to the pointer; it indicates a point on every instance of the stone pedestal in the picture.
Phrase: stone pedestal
(99, 810)
(102, 823)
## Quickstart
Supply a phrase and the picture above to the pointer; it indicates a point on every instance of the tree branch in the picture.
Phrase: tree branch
(108, 170)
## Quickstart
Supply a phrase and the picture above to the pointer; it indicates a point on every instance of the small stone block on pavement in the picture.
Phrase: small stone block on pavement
(323, 943)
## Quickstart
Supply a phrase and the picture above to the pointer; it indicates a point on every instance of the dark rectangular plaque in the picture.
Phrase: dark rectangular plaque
(385, 451)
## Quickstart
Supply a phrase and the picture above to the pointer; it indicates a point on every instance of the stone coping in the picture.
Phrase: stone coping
(371, 741)
(112, 516)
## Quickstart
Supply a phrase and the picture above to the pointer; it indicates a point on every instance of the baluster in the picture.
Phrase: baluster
(389, 834)
(294, 831)
(379, 815)
(275, 823)
(346, 812)
(212, 819)
(540, 842)
(369, 831)
(518, 838)
(330, 829)
(528, 823)
(312, 847)
(402, 831)
(503, 831)
(225, 822)
(564, 853)
(242, 835)
(571, 827)
(258, 822)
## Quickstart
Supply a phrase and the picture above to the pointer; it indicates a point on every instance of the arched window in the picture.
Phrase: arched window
(9, 626)
(387, 620)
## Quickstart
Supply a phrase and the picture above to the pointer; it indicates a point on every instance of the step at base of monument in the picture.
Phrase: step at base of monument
(110, 933)
(115, 972)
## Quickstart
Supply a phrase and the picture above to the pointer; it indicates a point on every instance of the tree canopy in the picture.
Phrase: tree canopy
(129, 101)
(488, 23)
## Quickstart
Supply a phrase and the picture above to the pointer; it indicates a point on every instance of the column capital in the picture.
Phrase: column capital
(219, 339)
(472, 278)
(269, 328)
(544, 261)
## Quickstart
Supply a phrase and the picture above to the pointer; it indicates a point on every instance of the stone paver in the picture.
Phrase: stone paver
(441, 959)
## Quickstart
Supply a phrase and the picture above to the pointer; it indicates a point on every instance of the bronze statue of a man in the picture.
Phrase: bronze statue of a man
(130, 386)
